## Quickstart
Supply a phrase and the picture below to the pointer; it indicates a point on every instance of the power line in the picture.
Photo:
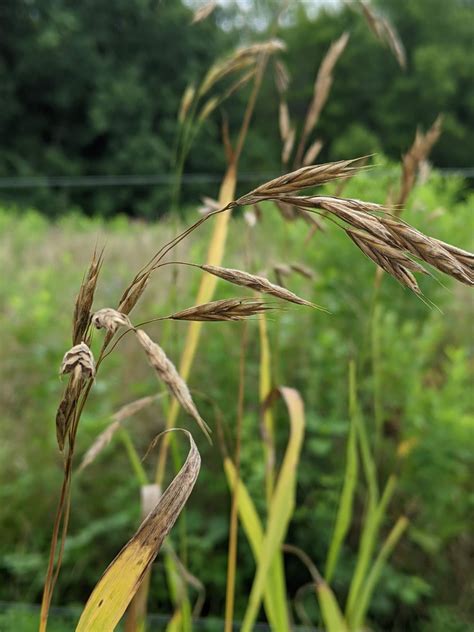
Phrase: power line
(32, 182)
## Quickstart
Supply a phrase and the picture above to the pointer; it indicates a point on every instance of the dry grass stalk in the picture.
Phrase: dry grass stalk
(110, 319)
(84, 300)
(414, 158)
(321, 90)
(385, 32)
(167, 372)
(310, 176)
(204, 11)
(226, 309)
(257, 283)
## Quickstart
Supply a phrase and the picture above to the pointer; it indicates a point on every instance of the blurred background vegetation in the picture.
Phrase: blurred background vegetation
(93, 88)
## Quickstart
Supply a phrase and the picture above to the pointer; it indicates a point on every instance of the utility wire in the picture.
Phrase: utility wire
(33, 182)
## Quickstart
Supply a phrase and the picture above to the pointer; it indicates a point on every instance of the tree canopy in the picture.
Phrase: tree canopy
(93, 88)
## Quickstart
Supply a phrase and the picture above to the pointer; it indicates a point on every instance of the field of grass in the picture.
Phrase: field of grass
(413, 364)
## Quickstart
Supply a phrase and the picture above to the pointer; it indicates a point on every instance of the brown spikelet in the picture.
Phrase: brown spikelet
(226, 309)
(463, 256)
(84, 300)
(414, 158)
(133, 293)
(67, 406)
(110, 319)
(257, 283)
(385, 32)
(79, 356)
(204, 11)
(166, 371)
(302, 178)
(322, 87)
(430, 250)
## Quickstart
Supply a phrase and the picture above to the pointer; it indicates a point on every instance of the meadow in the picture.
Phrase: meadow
(412, 365)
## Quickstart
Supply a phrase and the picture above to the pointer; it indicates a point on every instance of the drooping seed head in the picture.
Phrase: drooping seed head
(110, 319)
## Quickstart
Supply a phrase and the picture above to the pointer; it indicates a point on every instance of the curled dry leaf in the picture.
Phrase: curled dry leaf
(257, 283)
(122, 579)
(110, 319)
(166, 371)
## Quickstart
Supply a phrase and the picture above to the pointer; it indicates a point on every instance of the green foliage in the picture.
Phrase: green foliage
(424, 389)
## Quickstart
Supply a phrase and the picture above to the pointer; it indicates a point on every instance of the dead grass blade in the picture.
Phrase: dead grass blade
(321, 90)
(122, 579)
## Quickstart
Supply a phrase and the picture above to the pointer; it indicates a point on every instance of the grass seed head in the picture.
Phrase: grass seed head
(110, 319)
(226, 309)
(79, 356)
(166, 371)
(257, 283)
